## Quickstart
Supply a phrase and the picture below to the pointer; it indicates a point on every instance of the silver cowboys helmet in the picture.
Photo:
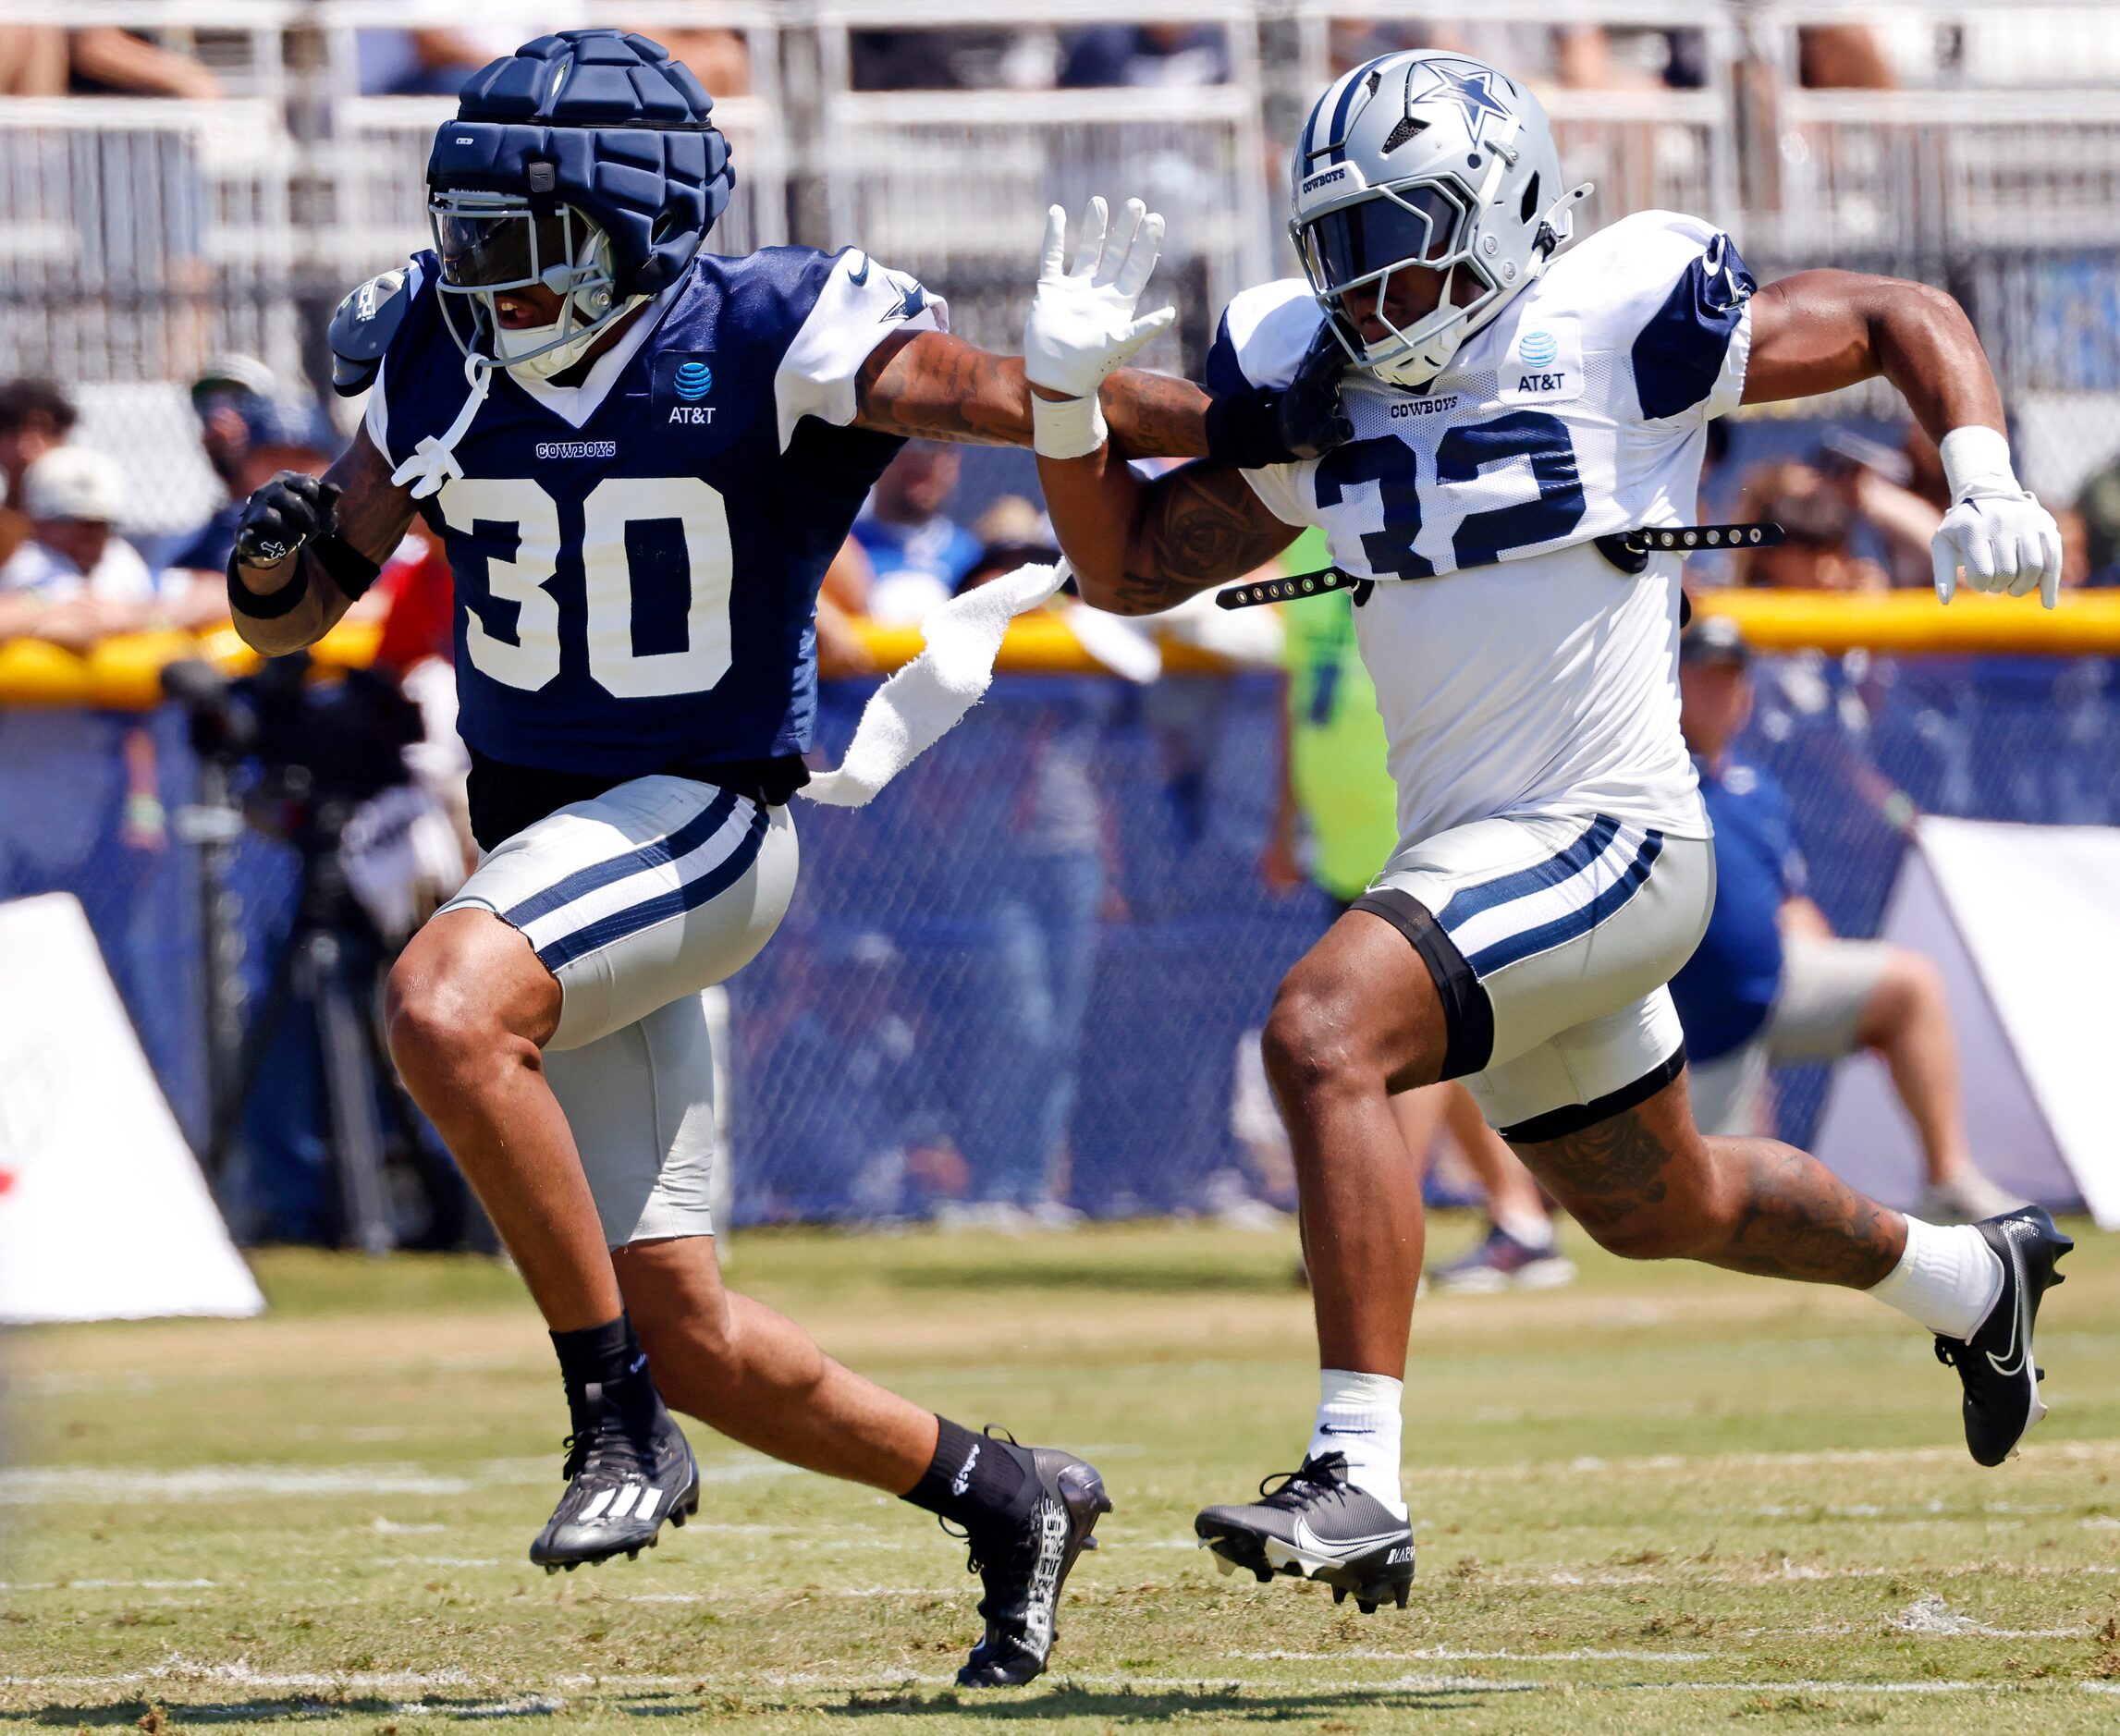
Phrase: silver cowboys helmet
(1435, 161)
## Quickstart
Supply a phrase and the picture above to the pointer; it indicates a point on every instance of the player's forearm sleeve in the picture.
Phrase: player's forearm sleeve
(920, 704)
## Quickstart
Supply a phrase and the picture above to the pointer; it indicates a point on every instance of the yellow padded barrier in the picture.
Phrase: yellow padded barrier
(125, 673)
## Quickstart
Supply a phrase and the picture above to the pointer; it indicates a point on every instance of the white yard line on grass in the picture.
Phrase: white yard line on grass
(1460, 1654)
(179, 1672)
(41, 1486)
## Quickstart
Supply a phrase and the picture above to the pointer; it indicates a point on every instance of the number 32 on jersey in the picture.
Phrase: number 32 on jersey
(1469, 468)
(514, 514)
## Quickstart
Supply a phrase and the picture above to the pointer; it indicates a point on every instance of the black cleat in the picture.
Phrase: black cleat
(624, 1478)
(2002, 1379)
(1314, 1525)
(1026, 1567)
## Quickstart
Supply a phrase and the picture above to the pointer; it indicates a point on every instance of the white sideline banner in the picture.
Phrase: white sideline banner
(104, 1215)
(2024, 923)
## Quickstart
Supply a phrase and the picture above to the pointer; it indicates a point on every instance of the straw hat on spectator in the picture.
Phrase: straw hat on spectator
(74, 484)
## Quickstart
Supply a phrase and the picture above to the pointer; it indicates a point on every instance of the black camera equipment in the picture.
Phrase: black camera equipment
(294, 761)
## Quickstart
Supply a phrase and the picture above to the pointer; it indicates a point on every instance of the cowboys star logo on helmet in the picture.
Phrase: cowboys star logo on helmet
(1432, 162)
(1470, 87)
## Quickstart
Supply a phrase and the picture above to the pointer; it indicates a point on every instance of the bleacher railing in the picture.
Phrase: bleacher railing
(137, 234)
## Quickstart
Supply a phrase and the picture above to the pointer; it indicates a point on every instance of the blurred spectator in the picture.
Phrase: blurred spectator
(216, 399)
(721, 60)
(249, 440)
(2097, 510)
(1817, 516)
(1853, 486)
(35, 416)
(919, 554)
(45, 60)
(1012, 533)
(1771, 983)
(1335, 786)
(842, 601)
(1842, 57)
(954, 60)
(1147, 54)
(1576, 56)
(75, 581)
(850, 1047)
(110, 62)
(435, 62)
(33, 60)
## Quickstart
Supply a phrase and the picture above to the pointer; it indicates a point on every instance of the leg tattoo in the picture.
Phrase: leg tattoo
(1797, 1219)
(1649, 1187)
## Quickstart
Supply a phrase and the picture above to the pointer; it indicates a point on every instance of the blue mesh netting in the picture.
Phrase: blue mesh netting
(1024, 972)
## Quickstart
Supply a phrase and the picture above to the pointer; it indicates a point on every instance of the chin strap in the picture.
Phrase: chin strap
(434, 461)
(1559, 223)
(920, 704)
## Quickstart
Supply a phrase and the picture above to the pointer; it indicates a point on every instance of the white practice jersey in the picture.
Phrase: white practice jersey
(1517, 669)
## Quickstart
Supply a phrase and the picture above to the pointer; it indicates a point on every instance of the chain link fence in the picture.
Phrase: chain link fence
(1028, 973)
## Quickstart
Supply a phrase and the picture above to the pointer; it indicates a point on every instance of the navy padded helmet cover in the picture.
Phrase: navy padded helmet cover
(626, 131)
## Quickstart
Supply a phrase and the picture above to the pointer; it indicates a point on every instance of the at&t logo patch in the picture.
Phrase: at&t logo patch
(681, 384)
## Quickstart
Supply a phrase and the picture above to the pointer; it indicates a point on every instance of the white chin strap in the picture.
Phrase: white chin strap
(1420, 365)
(509, 344)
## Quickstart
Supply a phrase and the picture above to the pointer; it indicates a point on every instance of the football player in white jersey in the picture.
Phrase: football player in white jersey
(1505, 402)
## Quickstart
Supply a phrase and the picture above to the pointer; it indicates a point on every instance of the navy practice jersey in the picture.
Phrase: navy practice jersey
(637, 558)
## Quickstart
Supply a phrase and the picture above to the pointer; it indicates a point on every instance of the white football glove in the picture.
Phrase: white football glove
(1082, 325)
(1998, 533)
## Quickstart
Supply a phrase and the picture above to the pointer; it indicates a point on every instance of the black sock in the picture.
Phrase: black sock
(608, 1359)
(976, 1480)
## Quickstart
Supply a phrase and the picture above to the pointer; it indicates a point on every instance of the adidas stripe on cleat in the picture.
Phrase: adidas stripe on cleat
(624, 1480)
(1997, 1364)
(1316, 1524)
(1025, 1569)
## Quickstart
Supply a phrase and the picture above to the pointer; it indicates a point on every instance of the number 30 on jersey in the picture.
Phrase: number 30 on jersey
(504, 512)
(1463, 460)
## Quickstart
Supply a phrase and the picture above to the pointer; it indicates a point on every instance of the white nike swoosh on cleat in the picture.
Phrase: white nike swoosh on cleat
(1310, 1541)
(2019, 1338)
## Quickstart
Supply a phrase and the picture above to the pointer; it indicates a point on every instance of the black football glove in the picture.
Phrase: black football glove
(1284, 424)
(290, 511)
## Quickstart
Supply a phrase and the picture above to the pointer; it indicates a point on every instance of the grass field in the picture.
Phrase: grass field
(1665, 1499)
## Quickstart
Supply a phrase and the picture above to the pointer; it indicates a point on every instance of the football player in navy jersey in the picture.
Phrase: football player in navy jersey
(641, 457)
(1513, 405)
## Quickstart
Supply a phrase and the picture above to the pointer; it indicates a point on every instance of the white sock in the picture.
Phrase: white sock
(1533, 1230)
(1359, 1415)
(1948, 1279)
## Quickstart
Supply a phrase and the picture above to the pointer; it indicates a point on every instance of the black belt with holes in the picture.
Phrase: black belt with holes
(1627, 550)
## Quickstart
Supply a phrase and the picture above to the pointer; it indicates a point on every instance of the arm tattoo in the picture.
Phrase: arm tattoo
(928, 384)
(373, 512)
(1198, 526)
(1155, 415)
(931, 385)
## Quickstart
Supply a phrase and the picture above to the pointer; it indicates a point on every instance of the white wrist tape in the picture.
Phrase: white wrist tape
(1977, 462)
(1066, 427)
(925, 700)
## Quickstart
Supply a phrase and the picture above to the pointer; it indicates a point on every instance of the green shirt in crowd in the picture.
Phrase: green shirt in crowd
(1336, 740)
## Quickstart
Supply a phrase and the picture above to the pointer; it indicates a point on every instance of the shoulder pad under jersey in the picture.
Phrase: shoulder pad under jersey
(362, 328)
